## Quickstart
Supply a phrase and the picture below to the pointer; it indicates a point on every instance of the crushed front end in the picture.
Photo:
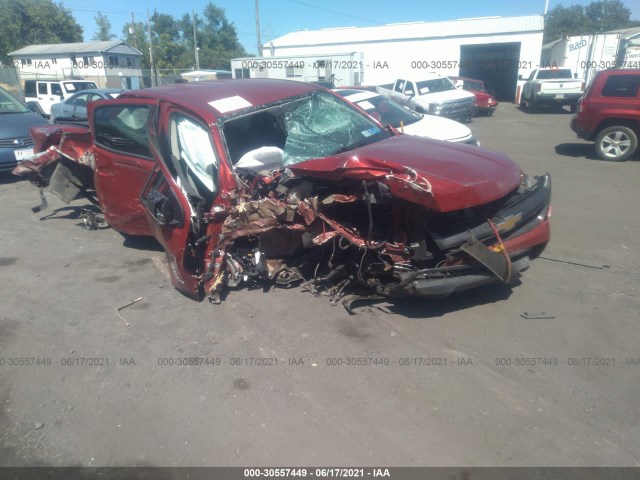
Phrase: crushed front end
(357, 235)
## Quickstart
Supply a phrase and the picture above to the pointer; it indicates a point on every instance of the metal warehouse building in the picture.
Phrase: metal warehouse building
(493, 49)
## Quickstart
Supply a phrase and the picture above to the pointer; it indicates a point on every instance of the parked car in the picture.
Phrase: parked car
(388, 112)
(47, 92)
(15, 140)
(609, 114)
(258, 182)
(74, 108)
(485, 102)
(432, 94)
(551, 86)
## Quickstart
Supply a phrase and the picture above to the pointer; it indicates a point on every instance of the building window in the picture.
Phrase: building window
(293, 72)
(242, 73)
(87, 61)
(54, 61)
(25, 61)
(114, 61)
(131, 62)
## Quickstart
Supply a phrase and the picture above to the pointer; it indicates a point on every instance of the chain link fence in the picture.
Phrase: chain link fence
(11, 80)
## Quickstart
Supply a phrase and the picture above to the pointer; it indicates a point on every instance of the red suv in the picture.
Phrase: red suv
(609, 114)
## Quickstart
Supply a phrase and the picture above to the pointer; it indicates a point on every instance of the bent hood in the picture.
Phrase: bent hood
(440, 176)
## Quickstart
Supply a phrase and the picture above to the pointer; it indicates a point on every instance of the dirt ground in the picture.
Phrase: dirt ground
(465, 381)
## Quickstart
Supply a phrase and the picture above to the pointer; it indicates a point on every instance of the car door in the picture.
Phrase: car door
(410, 95)
(181, 189)
(122, 160)
(45, 97)
(70, 106)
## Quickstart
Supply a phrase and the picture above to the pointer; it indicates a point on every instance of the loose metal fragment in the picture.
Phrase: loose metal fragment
(581, 263)
(536, 316)
(125, 306)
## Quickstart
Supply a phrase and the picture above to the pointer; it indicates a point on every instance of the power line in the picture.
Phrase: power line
(102, 10)
(335, 12)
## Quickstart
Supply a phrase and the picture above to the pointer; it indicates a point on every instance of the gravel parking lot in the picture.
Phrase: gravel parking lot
(464, 381)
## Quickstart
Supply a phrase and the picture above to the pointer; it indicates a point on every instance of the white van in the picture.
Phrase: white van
(48, 92)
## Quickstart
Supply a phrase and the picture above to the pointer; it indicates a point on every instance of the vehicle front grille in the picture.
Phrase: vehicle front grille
(452, 229)
(456, 107)
(18, 142)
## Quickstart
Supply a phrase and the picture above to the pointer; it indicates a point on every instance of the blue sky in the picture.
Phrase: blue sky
(278, 17)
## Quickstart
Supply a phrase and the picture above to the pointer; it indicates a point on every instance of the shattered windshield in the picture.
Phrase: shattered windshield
(314, 126)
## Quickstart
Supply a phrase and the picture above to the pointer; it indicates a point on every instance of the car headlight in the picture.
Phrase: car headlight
(435, 108)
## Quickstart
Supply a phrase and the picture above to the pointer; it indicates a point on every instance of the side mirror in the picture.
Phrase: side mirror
(35, 108)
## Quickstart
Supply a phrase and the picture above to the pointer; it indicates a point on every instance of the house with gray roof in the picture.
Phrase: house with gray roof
(111, 64)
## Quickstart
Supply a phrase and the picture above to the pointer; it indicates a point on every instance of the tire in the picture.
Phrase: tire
(532, 105)
(616, 143)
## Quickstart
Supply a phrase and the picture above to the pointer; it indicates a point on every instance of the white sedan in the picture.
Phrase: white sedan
(407, 121)
(74, 108)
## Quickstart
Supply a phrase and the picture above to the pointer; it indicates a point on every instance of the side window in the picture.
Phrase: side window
(42, 89)
(410, 89)
(30, 88)
(622, 86)
(56, 89)
(193, 157)
(400, 86)
(123, 129)
(79, 100)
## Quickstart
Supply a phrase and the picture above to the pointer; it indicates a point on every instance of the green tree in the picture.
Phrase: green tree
(607, 15)
(173, 45)
(136, 36)
(219, 40)
(596, 17)
(33, 22)
(104, 28)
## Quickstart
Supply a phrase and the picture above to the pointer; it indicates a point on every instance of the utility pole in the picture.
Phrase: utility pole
(258, 28)
(195, 40)
(153, 82)
(132, 32)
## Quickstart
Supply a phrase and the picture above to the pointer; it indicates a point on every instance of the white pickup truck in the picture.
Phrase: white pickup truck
(551, 86)
(434, 94)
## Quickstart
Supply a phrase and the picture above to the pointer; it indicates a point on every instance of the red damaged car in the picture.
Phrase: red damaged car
(485, 102)
(271, 181)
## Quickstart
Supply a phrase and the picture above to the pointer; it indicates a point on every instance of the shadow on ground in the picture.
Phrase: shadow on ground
(9, 178)
(431, 308)
(585, 150)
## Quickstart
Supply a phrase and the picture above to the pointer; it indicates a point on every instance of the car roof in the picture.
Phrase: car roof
(466, 78)
(248, 92)
(350, 91)
(99, 90)
(619, 71)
